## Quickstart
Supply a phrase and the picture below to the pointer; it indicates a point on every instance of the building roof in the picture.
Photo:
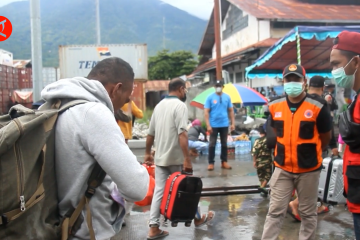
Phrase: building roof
(160, 85)
(283, 10)
(235, 56)
(297, 10)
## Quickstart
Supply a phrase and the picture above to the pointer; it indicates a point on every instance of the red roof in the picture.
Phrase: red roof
(237, 55)
(294, 9)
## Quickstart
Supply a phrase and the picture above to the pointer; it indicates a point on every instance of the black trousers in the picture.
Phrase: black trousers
(223, 137)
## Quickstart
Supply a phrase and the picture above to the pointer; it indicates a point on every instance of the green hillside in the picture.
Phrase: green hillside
(122, 21)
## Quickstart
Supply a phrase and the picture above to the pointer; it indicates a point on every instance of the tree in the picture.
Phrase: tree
(166, 65)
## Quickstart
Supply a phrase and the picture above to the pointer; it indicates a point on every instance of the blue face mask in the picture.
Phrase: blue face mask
(341, 79)
(293, 89)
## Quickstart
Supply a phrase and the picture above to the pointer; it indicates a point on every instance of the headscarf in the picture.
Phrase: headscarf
(196, 122)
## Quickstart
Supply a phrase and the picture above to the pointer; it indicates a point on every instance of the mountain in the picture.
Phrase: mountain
(68, 22)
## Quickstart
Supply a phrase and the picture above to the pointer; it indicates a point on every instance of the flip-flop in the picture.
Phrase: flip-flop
(207, 220)
(296, 217)
(160, 235)
(326, 209)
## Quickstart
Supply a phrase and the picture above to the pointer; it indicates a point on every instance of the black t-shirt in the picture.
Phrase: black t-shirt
(323, 121)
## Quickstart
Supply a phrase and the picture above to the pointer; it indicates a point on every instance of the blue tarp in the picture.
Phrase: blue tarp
(305, 32)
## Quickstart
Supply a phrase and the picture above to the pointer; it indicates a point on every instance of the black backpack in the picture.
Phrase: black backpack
(270, 134)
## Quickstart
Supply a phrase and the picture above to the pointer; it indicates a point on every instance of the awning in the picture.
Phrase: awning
(315, 46)
(280, 75)
(160, 85)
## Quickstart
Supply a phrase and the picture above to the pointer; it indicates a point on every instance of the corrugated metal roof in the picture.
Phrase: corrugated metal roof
(160, 85)
(286, 10)
(237, 55)
(294, 9)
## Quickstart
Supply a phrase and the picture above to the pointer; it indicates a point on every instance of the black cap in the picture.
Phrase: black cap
(219, 83)
(296, 69)
(330, 85)
(317, 82)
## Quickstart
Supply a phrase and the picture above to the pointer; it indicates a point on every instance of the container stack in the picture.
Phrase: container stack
(12, 79)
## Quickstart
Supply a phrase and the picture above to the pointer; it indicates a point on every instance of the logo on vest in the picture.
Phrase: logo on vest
(308, 114)
(214, 101)
(278, 114)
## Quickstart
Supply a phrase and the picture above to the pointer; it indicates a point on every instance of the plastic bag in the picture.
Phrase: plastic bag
(149, 195)
(150, 169)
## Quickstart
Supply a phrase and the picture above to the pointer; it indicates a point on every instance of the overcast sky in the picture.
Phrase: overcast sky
(200, 8)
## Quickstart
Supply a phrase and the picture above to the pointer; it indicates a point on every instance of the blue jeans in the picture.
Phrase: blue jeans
(198, 145)
(356, 217)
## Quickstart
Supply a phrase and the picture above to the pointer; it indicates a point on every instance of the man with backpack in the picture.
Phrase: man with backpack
(87, 134)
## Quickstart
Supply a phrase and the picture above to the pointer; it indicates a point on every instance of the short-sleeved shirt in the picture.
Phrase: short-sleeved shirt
(219, 106)
(261, 153)
(168, 121)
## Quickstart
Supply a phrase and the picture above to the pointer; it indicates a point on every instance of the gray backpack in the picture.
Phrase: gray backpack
(28, 189)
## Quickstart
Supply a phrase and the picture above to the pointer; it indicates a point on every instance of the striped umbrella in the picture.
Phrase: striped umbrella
(238, 94)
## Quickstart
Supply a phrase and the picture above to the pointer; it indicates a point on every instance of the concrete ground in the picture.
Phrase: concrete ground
(237, 216)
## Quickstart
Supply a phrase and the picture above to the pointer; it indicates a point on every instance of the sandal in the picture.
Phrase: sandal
(296, 217)
(207, 219)
(160, 235)
(325, 210)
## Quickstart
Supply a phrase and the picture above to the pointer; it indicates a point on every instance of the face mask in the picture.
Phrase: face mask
(341, 79)
(293, 89)
(218, 89)
(183, 98)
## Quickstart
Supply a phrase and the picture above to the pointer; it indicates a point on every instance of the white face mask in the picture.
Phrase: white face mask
(218, 89)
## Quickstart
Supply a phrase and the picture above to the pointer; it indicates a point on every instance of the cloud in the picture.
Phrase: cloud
(199, 8)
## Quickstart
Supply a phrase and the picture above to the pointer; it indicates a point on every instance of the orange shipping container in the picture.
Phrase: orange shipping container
(139, 95)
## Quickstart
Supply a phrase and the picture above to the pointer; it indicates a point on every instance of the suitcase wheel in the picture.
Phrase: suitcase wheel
(187, 224)
(174, 224)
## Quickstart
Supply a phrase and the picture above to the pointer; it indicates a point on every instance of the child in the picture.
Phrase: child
(262, 160)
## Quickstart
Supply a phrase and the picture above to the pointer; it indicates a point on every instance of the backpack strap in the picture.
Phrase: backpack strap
(71, 104)
(96, 178)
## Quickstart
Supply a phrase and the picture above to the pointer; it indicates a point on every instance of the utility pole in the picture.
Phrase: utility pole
(36, 49)
(98, 37)
(164, 38)
(217, 21)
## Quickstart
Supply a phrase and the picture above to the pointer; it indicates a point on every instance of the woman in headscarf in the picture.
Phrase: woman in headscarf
(195, 145)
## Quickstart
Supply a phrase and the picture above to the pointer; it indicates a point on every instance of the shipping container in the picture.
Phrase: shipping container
(138, 95)
(6, 58)
(78, 60)
(50, 75)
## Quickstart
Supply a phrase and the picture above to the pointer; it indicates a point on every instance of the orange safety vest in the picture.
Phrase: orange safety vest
(298, 148)
(351, 170)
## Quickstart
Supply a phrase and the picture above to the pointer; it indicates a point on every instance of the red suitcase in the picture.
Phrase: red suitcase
(181, 198)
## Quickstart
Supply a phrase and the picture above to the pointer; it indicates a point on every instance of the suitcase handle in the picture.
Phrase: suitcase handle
(187, 171)
(333, 157)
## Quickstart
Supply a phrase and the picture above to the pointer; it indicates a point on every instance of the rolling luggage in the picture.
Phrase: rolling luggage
(331, 184)
(181, 198)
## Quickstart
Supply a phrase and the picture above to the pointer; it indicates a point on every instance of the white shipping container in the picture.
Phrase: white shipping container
(78, 60)
(6, 58)
(50, 75)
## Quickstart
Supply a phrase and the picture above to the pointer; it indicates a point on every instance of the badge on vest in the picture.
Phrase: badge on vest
(308, 114)
(278, 114)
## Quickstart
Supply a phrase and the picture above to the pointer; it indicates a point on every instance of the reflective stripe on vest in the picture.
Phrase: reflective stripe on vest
(298, 147)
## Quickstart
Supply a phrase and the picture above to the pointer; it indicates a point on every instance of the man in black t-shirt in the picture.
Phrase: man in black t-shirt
(316, 86)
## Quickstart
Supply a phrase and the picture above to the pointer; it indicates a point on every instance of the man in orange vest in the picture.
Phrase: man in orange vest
(345, 62)
(302, 123)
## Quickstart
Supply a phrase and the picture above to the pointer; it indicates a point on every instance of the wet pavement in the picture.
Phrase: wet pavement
(237, 216)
